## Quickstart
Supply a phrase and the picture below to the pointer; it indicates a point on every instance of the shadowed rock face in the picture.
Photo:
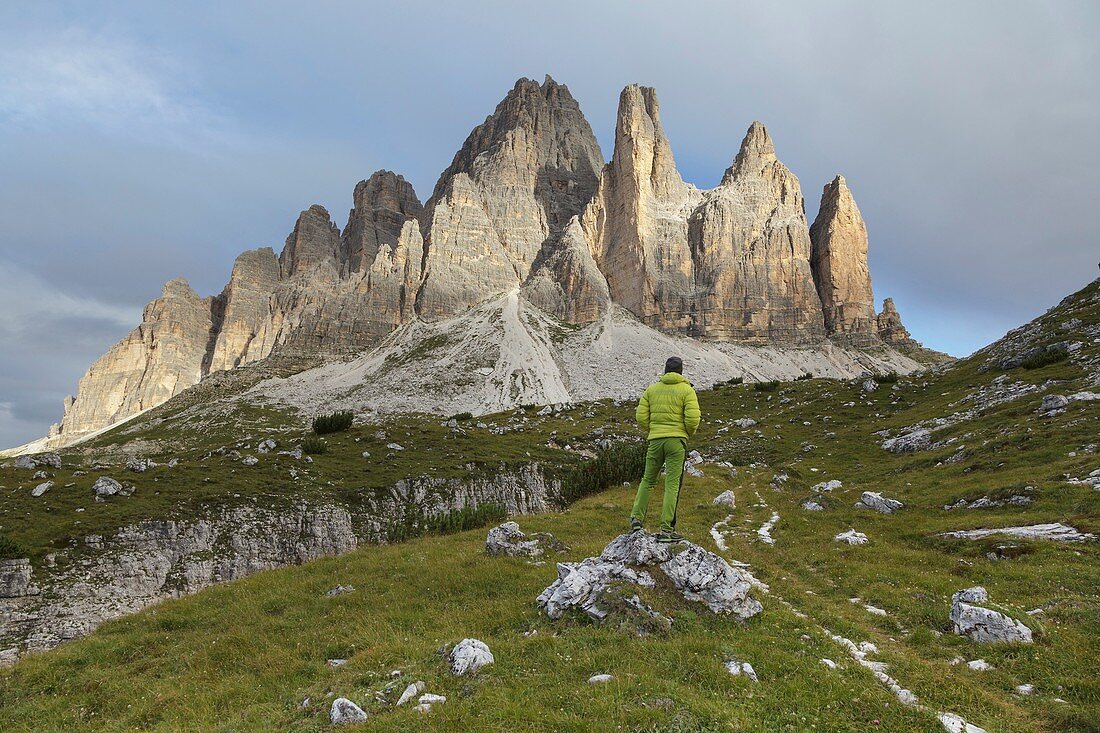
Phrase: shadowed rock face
(839, 262)
(526, 205)
(519, 178)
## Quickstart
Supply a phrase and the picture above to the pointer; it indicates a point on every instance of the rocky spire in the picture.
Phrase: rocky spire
(382, 205)
(637, 224)
(315, 240)
(517, 180)
(890, 328)
(751, 245)
(245, 309)
(839, 262)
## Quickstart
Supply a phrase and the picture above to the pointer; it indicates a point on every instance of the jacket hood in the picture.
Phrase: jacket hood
(673, 378)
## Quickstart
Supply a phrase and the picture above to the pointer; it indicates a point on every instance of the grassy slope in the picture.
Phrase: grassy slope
(242, 656)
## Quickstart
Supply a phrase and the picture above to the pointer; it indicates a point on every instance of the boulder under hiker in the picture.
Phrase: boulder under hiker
(669, 410)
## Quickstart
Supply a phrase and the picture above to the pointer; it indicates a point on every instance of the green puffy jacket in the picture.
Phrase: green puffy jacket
(669, 408)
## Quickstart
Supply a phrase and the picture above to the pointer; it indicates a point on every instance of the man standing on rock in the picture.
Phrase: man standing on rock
(669, 410)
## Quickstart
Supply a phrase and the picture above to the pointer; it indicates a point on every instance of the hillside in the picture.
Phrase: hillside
(1005, 438)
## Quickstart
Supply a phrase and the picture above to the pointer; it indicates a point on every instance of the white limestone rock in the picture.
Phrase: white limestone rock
(852, 537)
(470, 655)
(726, 498)
(580, 585)
(975, 594)
(600, 679)
(416, 688)
(105, 486)
(826, 486)
(911, 442)
(345, 712)
(986, 625)
(738, 668)
(875, 501)
(1053, 532)
(41, 489)
(700, 575)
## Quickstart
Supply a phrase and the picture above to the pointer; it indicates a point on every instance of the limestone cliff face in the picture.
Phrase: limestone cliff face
(527, 204)
(637, 223)
(839, 262)
(517, 181)
(751, 245)
(156, 361)
(890, 328)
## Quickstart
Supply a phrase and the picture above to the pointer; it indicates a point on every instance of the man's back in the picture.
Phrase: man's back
(669, 408)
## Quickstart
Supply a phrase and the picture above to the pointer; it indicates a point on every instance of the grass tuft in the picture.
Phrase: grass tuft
(337, 422)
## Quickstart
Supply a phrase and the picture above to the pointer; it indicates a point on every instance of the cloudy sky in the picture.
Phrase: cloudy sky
(144, 141)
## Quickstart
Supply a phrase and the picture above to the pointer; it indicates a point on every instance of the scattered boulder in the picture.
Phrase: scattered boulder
(250, 460)
(979, 665)
(139, 465)
(825, 486)
(339, 590)
(395, 446)
(911, 442)
(430, 699)
(870, 385)
(852, 537)
(48, 459)
(600, 679)
(416, 688)
(40, 474)
(345, 712)
(811, 505)
(737, 668)
(1054, 532)
(877, 502)
(691, 465)
(1053, 404)
(266, 446)
(25, 462)
(507, 539)
(984, 624)
(700, 575)
(1025, 689)
(41, 489)
(105, 486)
(726, 498)
(744, 422)
(470, 655)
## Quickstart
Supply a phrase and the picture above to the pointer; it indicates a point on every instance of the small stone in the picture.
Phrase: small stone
(105, 486)
(339, 590)
(975, 594)
(737, 669)
(266, 446)
(345, 712)
(599, 679)
(430, 699)
(411, 691)
(1052, 403)
(812, 506)
(827, 485)
(336, 662)
(1025, 689)
(829, 663)
(726, 498)
(250, 460)
(366, 454)
(395, 446)
(877, 502)
(41, 489)
(852, 537)
(979, 665)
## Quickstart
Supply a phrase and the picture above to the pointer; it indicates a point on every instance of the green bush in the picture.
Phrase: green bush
(334, 423)
(10, 549)
(314, 446)
(766, 386)
(807, 375)
(464, 416)
(415, 523)
(621, 462)
(731, 382)
(1049, 355)
(887, 378)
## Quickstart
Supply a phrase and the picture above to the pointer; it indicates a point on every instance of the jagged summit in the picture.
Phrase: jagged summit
(527, 205)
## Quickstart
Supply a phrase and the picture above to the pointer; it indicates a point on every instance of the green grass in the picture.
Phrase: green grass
(243, 656)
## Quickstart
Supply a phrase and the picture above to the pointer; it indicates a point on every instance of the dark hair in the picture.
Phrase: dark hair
(674, 364)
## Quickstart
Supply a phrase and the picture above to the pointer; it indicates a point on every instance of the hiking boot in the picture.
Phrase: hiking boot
(671, 538)
(635, 525)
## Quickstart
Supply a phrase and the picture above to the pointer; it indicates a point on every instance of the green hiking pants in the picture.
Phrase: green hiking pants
(670, 453)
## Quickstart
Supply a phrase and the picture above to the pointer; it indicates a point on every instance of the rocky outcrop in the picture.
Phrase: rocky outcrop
(637, 223)
(243, 329)
(890, 328)
(383, 205)
(752, 252)
(838, 259)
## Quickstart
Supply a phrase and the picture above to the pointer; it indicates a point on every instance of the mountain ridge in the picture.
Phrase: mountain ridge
(528, 202)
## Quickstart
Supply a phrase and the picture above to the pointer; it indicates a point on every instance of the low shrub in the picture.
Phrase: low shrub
(807, 375)
(314, 446)
(766, 386)
(1046, 357)
(464, 416)
(10, 549)
(731, 382)
(621, 462)
(334, 423)
(887, 378)
(415, 523)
